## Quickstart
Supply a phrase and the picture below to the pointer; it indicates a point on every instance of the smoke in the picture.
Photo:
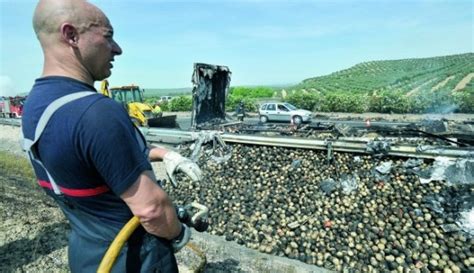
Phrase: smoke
(437, 113)
(448, 109)
(7, 88)
(442, 102)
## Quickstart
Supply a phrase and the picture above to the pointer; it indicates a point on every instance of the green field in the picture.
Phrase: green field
(409, 76)
(424, 85)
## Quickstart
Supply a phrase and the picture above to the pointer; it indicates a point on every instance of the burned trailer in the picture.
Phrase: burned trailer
(210, 88)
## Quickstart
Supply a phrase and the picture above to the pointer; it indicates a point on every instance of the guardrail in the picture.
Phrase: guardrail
(10, 121)
(351, 145)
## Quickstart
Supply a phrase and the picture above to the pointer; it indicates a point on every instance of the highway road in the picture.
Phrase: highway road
(185, 122)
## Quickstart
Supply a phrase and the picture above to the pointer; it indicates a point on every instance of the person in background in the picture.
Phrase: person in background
(240, 111)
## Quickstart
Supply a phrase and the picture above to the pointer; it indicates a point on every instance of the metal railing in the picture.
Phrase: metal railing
(351, 145)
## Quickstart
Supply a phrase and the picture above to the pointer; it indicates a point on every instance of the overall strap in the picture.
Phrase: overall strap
(29, 145)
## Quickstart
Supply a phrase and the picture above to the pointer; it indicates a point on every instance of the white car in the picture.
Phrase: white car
(165, 98)
(282, 111)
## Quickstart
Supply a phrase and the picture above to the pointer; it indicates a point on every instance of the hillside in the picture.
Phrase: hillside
(158, 92)
(423, 85)
(410, 76)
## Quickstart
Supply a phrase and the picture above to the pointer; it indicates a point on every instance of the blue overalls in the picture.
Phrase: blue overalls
(90, 236)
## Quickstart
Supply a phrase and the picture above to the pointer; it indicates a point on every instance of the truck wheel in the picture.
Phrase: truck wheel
(136, 122)
(263, 119)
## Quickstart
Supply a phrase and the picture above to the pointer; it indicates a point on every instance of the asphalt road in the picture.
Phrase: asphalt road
(185, 122)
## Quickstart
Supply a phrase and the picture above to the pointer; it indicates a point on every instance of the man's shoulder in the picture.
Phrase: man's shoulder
(102, 112)
(49, 89)
(103, 106)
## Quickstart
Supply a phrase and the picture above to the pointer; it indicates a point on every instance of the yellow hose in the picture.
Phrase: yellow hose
(114, 249)
(117, 245)
(201, 255)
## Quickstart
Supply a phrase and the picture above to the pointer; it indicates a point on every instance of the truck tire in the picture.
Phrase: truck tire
(136, 122)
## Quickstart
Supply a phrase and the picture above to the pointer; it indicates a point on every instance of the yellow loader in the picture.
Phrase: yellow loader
(141, 113)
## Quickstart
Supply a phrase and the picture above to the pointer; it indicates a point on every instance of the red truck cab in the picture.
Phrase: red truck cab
(12, 107)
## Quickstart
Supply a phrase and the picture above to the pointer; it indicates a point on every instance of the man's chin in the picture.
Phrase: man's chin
(104, 76)
(108, 72)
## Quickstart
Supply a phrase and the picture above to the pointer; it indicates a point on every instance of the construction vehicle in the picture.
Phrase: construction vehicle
(12, 107)
(141, 113)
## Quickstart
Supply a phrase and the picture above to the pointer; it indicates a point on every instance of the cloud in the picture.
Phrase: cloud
(7, 88)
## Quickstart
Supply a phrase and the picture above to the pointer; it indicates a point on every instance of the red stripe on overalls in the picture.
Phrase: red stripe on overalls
(76, 192)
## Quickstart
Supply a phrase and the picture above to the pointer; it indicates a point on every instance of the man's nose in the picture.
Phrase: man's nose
(116, 49)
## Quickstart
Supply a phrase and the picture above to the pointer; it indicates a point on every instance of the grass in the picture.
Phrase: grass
(14, 165)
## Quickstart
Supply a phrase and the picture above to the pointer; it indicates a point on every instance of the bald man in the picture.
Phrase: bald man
(86, 153)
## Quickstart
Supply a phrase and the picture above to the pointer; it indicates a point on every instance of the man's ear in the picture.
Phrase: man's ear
(69, 34)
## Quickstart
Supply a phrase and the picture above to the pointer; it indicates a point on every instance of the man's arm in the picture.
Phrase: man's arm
(153, 207)
(174, 162)
(156, 153)
(106, 138)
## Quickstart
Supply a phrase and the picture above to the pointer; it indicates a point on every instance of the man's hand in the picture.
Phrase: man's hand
(174, 161)
(183, 238)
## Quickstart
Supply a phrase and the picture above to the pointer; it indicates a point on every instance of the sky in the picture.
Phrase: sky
(262, 42)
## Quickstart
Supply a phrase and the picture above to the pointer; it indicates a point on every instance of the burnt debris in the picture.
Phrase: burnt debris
(211, 85)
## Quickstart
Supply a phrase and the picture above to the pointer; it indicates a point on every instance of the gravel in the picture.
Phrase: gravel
(33, 230)
(10, 136)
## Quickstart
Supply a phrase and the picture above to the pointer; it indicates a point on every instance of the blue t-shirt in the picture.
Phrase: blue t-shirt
(88, 143)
